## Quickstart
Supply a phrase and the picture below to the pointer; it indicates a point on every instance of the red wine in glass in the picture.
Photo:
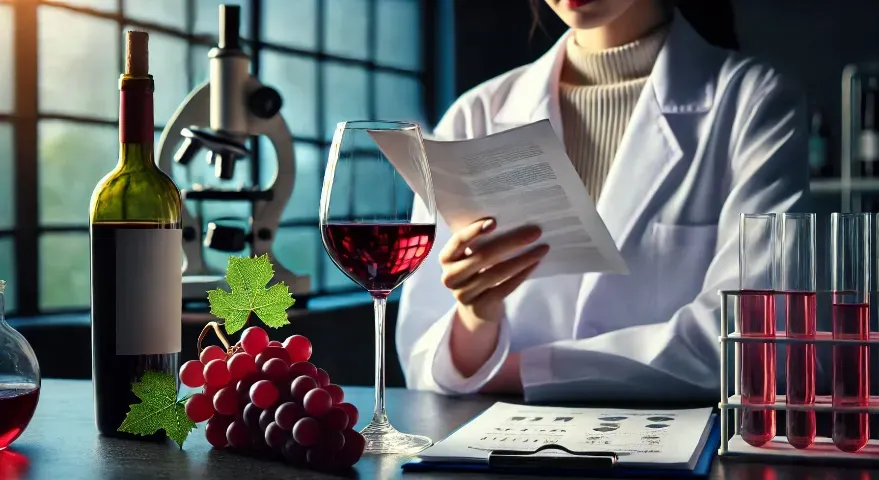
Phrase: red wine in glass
(378, 256)
(800, 314)
(851, 375)
(757, 313)
(17, 405)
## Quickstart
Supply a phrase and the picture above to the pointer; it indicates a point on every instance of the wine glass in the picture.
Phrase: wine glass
(380, 242)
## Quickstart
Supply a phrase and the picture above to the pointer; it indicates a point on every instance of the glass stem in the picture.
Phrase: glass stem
(379, 416)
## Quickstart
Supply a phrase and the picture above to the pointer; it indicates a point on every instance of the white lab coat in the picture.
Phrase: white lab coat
(713, 135)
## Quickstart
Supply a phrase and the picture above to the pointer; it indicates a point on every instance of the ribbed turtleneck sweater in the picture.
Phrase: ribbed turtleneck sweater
(598, 92)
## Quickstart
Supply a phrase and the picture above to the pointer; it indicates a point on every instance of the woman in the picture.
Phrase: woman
(674, 138)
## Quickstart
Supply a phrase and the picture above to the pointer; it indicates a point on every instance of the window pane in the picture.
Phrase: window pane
(290, 22)
(7, 64)
(78, 73)
(7, 177)
(303, 204)
(200, 64)
(7, 271)
(335, 279)
(345, 95)
(207, 16)
(104, 5)
(72, 159)
(373, 188)
(64, 270)
(398, 26)
(164, 12)
(346, 28)
(295, 78)
(398, 97)
(297, 250)
(168, 67)
(403, 197)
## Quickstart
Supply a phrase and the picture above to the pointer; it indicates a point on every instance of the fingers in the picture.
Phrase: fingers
(499, 274)
(454, 249)
(486, 256)
(500, 292)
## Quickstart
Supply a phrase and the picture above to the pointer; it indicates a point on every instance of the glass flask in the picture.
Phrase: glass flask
(19, 380)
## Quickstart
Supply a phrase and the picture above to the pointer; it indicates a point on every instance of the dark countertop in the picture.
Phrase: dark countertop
(61, 443)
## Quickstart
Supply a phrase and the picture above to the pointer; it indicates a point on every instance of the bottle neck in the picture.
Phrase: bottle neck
(136, 123)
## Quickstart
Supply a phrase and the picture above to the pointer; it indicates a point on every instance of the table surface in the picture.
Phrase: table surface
(62, 443)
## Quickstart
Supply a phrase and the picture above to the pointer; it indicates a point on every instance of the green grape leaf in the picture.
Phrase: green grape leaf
(247, 278)
(159, 409)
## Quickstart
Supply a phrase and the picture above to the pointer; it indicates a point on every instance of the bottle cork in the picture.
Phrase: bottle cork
(137, 53)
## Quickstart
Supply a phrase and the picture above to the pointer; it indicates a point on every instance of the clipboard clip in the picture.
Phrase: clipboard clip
(552, 457)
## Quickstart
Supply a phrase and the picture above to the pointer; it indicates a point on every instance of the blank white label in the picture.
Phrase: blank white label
(149, 291)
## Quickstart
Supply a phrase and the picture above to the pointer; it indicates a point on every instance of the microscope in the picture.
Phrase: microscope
(219, 116)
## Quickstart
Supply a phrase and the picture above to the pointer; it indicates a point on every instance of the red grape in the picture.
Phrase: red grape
(210, 391)
(276, 436)
(192, 374)
(335, 419)
(293, 452)
(306, 431)
(298, 347)
(331, 440)
(353, 449)
(226, 401)
(238, 435)
(275, 370)
(251, 416)
(302, 368)
(267, 417)
(288, 414)
(353, 414)
(240, 365)
(254, 340)
(270, 353)
(263, 394)
(275, 343)
(212, 353)
(216, 374)
(336, 393)
(300, 386)
(199, 408)
(323, 378)
(316, 402)
(319, 459)
(215, 430)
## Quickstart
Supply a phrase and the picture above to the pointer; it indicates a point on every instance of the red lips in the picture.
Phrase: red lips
(575, 4)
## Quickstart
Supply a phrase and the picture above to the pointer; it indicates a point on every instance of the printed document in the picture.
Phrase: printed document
(671, 439)
(520, 177)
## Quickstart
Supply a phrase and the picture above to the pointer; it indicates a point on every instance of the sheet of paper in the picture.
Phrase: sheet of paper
(666, 438)
(519, 176)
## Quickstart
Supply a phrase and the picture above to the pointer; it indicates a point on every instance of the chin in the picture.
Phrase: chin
(586, 14)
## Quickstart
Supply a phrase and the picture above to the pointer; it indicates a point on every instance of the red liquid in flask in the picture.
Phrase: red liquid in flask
(17, 405)
(851, 375)
(757, 315)
(800, 314)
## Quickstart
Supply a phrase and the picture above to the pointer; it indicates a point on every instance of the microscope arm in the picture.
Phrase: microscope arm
(195, 110)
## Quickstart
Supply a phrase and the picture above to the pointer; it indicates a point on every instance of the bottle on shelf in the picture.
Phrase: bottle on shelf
(819, 162)
(136, 256)
(868, 138)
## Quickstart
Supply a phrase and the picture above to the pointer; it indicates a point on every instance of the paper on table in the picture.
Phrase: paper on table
(640, 438)
(519, 176)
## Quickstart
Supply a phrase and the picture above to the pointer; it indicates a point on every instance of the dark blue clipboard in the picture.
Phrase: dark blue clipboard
(582, 464)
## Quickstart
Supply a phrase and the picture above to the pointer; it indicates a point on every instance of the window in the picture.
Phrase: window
(331, 60)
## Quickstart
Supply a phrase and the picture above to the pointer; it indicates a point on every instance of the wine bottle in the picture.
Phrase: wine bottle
(136, 255)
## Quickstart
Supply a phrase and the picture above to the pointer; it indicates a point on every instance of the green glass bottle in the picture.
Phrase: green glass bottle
(136, 282)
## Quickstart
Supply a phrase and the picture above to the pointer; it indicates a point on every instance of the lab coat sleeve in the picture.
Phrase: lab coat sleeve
(680, 358)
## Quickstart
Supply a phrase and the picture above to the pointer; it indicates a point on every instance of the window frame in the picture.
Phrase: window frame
(26, 229)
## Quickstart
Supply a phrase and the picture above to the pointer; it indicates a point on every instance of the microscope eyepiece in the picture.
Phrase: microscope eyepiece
(230, 18)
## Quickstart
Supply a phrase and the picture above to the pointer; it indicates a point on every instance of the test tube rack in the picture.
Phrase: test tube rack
(778, 448)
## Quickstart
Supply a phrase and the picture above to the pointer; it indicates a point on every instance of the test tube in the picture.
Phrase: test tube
(757, 270)
(850, 285)
(797, 284)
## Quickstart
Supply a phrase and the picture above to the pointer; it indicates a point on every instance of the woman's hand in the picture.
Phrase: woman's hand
(481, 278)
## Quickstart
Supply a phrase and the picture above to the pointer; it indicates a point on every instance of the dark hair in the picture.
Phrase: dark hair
(714, 20)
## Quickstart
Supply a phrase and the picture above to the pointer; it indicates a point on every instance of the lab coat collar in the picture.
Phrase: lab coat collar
(686, 62)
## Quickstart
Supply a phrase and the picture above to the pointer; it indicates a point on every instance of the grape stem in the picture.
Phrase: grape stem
(219, 332)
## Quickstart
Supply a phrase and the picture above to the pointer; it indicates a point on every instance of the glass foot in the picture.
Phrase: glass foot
(382, 438)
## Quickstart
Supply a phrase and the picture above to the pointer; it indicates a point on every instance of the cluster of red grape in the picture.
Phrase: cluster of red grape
(266, 397)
